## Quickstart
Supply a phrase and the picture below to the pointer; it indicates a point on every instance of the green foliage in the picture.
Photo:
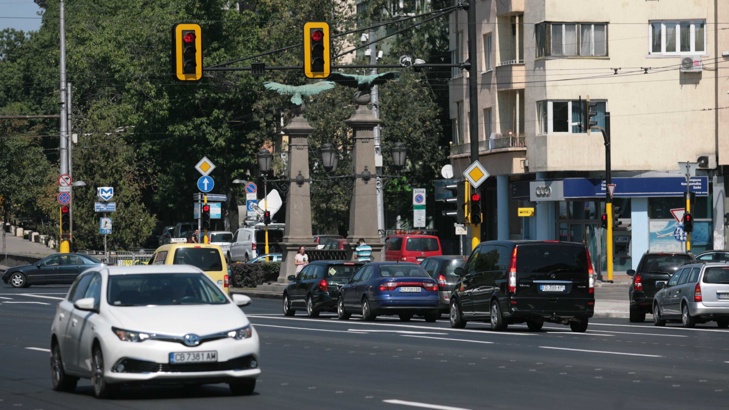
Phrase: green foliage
(250, 275)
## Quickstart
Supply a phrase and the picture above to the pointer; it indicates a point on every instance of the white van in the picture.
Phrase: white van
(249, 241)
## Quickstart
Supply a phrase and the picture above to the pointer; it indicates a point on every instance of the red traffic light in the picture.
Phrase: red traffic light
(317, 35)
(64, 209)
(189, 37)
(206, 208)
(476, 197)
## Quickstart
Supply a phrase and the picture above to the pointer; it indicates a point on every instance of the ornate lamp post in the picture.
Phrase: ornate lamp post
(265, 158)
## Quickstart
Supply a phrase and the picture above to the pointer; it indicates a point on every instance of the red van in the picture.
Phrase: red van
(411, 247)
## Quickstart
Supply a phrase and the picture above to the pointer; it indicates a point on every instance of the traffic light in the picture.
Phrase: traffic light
(317, 50)
(616, 214)
(475, 207)
(187, 51)
(65, 219)
(266, 217)
(603, 221)
(688, 223)
(588, 117)
(458, 198)
(205, 216)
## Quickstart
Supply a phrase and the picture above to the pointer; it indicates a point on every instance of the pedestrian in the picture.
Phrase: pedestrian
(363, 252)
(301, 259)
(194, 237)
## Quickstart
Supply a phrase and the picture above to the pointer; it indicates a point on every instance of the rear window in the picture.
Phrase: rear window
(717, 275)
(274, 235)
(221, 237)
(664, 263)
(422, 244)
(397, 271)
(342, 271)
(394, 244)
(206, 259)
(551, 259)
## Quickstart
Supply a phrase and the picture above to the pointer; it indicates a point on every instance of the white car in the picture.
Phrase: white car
(152, 323)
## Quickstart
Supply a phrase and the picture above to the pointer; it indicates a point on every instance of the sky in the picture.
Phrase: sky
(20, 15)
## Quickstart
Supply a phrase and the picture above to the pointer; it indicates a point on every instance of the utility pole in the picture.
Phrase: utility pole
(64, 246)
(473, 101)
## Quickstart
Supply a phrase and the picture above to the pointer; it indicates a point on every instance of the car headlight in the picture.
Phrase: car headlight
(130, 335)
(242, 333)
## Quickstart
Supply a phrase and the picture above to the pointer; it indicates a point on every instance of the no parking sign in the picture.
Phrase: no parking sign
(418, 207)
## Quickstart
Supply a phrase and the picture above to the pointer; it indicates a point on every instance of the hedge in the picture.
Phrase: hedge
(250, 275)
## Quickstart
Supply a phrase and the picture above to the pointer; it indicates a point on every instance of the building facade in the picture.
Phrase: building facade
(652, 71)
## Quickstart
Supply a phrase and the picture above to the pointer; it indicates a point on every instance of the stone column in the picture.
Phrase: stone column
(363, 211)
(298, 197)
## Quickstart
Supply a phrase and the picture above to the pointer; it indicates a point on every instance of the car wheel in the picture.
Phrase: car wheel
(636, 317)
(431, 317)
(287, 306)
(17, 280)
(61, 381)
(341, 313)
(310, 307)
(102, 389)
(579, 325)
(657, 319)
(686, 319)
(497, 319)
(367, 310)
(455, 316)
(243, 387)
(535, 325)
(722, 323)
(405, 317)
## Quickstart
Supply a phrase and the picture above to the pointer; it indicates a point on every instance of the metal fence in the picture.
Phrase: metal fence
(122, 258)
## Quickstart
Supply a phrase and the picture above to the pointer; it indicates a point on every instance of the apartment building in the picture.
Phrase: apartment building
(653, 67)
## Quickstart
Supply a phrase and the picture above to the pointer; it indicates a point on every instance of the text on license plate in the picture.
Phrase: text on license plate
(194, 357)
(722, 295)
(409, 289)
(552, 288)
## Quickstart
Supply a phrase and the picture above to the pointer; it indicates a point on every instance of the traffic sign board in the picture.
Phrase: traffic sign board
(251, 188)
(105, 206)
(205, 184)
(64, 180)
(105, 226)
(205, 166)
(476, 174)
(105, 192)
(64, 198)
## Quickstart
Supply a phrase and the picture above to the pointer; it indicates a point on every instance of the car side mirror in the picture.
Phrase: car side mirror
(458, 271)
(241, 300)
(630, 272)
(661, 285)
(86, 304)
(291, 278)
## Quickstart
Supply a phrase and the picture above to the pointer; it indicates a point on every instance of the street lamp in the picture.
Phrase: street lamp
(264, 164)
(330, 157)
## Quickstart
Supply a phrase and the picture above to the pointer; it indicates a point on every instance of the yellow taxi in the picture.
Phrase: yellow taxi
(209, 258)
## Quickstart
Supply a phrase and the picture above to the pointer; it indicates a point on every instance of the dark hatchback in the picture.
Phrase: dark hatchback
(316, 288)
(654, 270)
(443, 269)
(57, 269)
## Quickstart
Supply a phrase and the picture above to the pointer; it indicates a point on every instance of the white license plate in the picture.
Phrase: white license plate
(722, 295)
(409, 289)
(419, 259)
(194, 357)
(552, 288)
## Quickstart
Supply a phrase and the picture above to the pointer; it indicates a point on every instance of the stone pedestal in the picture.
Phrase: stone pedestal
(298, 197)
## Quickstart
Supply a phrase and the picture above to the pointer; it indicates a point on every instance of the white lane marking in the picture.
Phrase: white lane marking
(2, 297)
(25, 303)
(580, 334)
(33, 295)
(38, 349)
(404, 332)
(662, 328)
(303, 328)
(450, 340)
(422, 405)
(598, 351)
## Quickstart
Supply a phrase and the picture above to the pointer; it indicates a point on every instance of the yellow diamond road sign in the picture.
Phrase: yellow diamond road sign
(205, 166)
(476, 174)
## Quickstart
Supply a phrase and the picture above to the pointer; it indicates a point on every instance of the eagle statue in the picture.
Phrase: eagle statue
(363, 83)
(298, 91)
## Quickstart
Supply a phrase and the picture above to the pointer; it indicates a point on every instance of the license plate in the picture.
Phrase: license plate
(419, 259)
(552, 288)
(194, 357)
(723, 295)
(409, 289)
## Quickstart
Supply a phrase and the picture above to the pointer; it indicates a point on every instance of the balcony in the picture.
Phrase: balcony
(509, 7)
(511, 75)
(566, 152)
(504, 153)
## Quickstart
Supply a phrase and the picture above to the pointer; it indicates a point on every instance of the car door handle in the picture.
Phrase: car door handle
(74, 322)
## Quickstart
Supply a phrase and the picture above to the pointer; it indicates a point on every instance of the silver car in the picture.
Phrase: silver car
(696, 293)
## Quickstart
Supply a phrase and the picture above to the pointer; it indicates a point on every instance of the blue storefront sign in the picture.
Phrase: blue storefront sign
(585, 188)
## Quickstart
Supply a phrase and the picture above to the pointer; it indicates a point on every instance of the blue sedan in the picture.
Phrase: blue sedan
(389, 288)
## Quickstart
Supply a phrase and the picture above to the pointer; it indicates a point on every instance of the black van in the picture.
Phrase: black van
(507, 282)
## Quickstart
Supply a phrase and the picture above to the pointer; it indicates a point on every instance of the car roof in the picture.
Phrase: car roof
(335, 261)
(214, 232)
(178, 245)
(150, 269)
(447, 257)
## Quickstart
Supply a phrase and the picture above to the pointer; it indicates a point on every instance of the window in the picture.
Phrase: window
(571, 39)
(458, 125)
(677, 37)
(566, 116)
(456, 54)
(487, 53)
(487, 124)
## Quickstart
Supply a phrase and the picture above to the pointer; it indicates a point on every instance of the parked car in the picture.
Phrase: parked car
(182, 231)
(389, 288)
(207, 257)
(166, 235)
(222, 239)
(713, 256)
(322, 240)
(443, 269)
(336, 244)
(151, 324)
(411, 247)
(269, 257)
(508, 282)
(249, 241)
(696, 293)
(316, 288)
(654, 270)
(56, 269)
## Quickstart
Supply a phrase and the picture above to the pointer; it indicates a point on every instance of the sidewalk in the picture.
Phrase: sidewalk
(11, 246)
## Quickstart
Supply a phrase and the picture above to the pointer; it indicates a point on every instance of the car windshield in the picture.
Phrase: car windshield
(163, 289)
(221, 237)
(207, 259)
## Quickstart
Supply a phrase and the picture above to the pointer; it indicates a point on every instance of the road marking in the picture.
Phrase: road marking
(662, 328)
(2, 297)
(598, 351)
(303, 328)
(33, 295)
(38, 349)
(403, 332)
(422, 405)
(450, 340)
(25, 303)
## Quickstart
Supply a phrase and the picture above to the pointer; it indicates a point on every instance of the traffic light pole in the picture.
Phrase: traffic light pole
(688, 205)
(473, 77)
(608, 198)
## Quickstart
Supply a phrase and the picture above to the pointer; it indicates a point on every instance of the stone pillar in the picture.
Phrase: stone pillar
(298, 197)
(363, 211)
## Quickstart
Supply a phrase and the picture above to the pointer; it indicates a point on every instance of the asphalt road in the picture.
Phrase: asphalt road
(327, 363)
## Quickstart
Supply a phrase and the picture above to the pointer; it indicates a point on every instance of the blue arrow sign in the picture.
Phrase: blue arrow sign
(205, 184)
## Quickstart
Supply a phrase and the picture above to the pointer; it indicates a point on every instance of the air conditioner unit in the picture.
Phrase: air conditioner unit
(691, 65)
